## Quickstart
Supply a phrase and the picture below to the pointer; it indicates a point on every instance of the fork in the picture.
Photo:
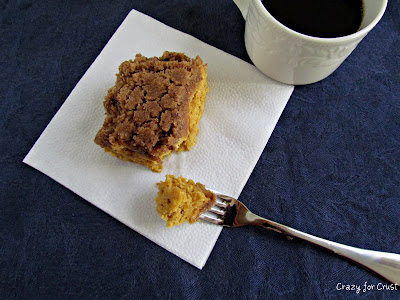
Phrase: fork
(230, 212)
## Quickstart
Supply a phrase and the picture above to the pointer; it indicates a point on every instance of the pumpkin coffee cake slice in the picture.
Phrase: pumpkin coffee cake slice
(154, 108)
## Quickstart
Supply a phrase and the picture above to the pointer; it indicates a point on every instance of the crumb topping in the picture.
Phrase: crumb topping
(147, 109)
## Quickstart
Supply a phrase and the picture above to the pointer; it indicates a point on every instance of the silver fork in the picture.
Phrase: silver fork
(230, 212)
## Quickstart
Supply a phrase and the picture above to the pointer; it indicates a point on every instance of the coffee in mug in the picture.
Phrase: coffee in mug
(318, 18)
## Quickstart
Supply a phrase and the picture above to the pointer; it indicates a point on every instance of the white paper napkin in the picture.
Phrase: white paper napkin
(241, 111)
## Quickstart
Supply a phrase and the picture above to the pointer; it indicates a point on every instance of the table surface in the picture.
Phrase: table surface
(331, 168)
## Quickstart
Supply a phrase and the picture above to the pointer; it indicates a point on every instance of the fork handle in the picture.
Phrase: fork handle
(384, 264)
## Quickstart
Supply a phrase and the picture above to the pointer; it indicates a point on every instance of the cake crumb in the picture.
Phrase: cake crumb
(179, 200)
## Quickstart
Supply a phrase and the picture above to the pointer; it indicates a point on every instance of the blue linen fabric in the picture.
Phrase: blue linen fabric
(331, 168)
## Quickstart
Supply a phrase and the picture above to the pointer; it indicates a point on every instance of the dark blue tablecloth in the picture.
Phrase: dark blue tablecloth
(330, 168)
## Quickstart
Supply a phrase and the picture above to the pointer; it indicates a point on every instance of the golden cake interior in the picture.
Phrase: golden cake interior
(154, 108)
(179, 200)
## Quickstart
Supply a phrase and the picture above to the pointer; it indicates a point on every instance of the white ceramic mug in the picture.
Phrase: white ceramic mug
(294, 58)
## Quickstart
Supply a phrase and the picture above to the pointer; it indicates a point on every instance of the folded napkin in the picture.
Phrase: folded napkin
(241, 111)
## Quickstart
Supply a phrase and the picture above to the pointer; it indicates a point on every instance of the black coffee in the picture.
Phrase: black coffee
(318, 18)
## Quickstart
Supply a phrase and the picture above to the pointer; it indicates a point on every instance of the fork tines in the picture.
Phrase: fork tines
(216, 213)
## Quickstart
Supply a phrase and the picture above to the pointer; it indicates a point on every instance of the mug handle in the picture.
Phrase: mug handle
(243, 6)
